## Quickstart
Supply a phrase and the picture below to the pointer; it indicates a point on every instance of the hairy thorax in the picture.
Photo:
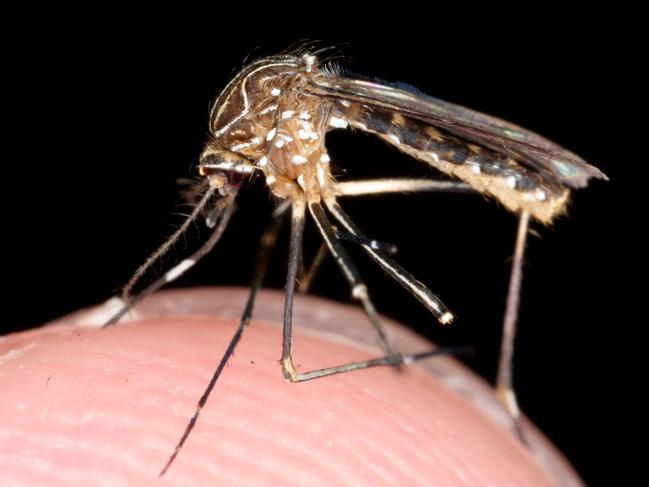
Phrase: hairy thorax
(264, 120)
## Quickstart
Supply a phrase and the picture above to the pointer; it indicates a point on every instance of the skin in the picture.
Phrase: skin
(87, 407)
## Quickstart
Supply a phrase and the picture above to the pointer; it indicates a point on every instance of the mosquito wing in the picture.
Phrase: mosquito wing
(538, 153)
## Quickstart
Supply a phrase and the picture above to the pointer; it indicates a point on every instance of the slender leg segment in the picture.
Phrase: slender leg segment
(375, 244)
(268, 241)
(371, 187)
(504, 380)
(294, 253)
(403, 277)
(309, 275)
(349, 270)
(389, 360)
(222, 213)
(399, 185)
(335, 247)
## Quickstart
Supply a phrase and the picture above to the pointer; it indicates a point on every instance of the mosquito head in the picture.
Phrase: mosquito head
(225, 170)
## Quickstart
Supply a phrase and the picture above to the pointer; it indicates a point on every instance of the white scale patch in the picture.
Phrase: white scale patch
(511, 181)
(338, 123)
(269, 109)
(275, 91)
(244, 168)
(324, 158)
(230, 166)
(307, 134)
(359, 291)
(245, 145)
(301, 181)
(309, 60)
(271, 134)
(298, 160)
(263, 160)
(287, 114)
(179, 269)
(446, 318)
(222, 165)
(321, 175)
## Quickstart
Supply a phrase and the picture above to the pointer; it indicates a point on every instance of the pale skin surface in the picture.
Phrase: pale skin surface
(87, 407)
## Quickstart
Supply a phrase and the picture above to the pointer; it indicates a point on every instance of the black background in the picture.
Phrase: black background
(107, 110)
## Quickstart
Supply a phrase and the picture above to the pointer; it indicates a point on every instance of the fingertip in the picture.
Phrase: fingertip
(84, 405)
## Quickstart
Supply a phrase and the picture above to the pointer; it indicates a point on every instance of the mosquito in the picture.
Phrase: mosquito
(272, 119)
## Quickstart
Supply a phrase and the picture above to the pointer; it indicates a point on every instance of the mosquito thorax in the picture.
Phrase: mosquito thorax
(264, 121)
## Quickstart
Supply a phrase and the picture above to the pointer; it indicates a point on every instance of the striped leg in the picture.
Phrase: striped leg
(288, 368)
(351, 273)
(371, 187)
(403, 277)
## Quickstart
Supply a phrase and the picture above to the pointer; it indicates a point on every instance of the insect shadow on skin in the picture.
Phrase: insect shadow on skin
(271, 120)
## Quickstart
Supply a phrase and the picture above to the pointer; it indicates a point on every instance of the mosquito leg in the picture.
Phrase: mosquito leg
(504, 380)
(390, 360)
(309, 275)
(225, 211)
(375, 244)
(288, 368)
(200, 207)
(295, 251)
(399, 185)
(349, 270)
(372, 187)
(266, 247)
(403, 277)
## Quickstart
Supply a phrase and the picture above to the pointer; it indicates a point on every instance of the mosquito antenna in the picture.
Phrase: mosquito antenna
(224, 209)
(268, 241)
